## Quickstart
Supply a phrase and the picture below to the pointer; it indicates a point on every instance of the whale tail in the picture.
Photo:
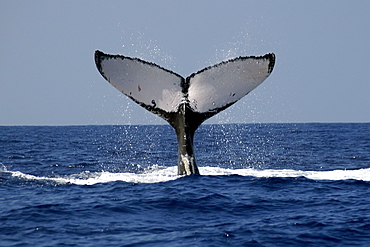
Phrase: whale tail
(185, 103)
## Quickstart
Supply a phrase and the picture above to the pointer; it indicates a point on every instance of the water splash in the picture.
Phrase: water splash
(2, 168)
(136, 44)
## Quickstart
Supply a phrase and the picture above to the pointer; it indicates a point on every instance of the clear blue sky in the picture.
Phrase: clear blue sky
(48, 75)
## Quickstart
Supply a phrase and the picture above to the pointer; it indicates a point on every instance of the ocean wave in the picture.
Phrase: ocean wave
(157, 174)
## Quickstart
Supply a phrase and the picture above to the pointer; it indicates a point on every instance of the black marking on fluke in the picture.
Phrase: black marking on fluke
(185, 103)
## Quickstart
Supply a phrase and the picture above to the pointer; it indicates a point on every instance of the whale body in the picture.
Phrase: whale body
(185, 103)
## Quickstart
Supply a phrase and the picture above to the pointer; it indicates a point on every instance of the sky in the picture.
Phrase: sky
(48, 74)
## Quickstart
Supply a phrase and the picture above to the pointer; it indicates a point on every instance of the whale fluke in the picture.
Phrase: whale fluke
(185, 103)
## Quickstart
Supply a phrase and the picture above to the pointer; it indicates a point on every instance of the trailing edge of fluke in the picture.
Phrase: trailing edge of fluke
(185, 103)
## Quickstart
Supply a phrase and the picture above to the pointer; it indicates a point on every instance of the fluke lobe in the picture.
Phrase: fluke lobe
(185, 103)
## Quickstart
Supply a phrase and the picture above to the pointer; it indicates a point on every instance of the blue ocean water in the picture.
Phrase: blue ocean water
(261, 185)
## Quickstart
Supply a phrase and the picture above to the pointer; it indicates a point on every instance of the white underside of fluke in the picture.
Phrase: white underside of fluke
(226, 83)
(146, 83)
(207, 90)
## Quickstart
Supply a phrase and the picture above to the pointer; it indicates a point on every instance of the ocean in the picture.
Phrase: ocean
(260, 185)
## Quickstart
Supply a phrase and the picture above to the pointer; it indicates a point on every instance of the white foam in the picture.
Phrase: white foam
(158, 174)
(358, 174)
(153, 175)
